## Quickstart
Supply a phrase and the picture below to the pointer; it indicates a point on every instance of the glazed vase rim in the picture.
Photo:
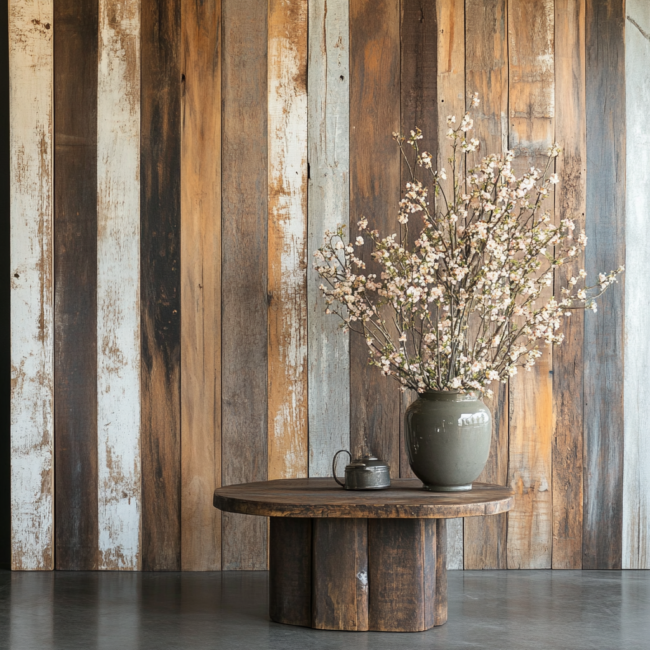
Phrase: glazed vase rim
(450, 395)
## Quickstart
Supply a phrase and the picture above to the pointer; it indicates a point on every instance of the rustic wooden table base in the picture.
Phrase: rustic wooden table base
(386, 575)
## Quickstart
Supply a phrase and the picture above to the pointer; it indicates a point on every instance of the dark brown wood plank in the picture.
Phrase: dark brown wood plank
(290, 570)
(322, 497)
(401, 576)
(340, 574)
(568, 378)
(604, 331)
(160, 283)
(418, 108)
(244, 270)
(441, 572)
(486, 72)
(75, 281)
(374, 193)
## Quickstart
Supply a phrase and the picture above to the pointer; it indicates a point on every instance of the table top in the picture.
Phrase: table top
(322, 497)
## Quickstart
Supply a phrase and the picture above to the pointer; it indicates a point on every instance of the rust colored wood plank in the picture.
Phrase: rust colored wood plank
(451, 101)
(118, 286)
(374, 193)
(401, 575)
(328, 104)
(531, 132)
(75, 283)
(603, 348)
(200, 285)
(290, 570)
(160, 166)
(441, 572)
(287, 238)
(568, 378)
(32, 300)
(418, 88)
(340, 574)
(244, 270)
(486, 72)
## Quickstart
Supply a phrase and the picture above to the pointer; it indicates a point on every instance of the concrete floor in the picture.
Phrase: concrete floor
(500, 610)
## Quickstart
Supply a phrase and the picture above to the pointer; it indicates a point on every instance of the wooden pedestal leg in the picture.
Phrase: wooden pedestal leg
(290, 571)
(402, 576)
(340, 574)
(441, 572)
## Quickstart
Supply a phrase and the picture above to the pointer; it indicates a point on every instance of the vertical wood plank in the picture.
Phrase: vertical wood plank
(451, 101)
(486, 72)
(636, 481)
(287, 231)
(75, 283)
(604, 331)
(531, 110)
(328, 122)
(568, 396)
(418, 108)
(118, 285)
(201, 286)
(32, 344)
(244, 271)
(160, 289)
(440, 617)
(374, 193)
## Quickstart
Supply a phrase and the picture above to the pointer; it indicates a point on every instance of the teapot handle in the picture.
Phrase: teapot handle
(334, 464)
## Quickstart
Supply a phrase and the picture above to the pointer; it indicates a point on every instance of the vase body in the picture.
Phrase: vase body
(447, 439)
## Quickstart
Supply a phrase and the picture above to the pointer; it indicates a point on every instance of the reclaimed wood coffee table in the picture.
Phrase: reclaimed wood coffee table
(359, 560)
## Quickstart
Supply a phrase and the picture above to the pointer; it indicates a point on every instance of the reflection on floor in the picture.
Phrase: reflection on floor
(500, 610)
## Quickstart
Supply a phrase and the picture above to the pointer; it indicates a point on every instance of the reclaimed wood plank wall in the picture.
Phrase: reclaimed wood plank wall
(173, 167)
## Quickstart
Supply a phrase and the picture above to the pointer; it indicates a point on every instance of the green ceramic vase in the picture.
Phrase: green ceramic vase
(448, 439)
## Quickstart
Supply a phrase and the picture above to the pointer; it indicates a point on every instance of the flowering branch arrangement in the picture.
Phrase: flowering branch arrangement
(472, 299)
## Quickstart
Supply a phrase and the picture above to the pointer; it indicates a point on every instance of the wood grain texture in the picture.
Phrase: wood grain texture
(568, 393)
(401, 574)
(75, 283)
(322, 497)
(486, 72)
(328, 108)
(451, 101)
(200, 285)
(418, 108)
(287, 232)
(160, 284)
(290, 571)
(244, 270)
(32, 324)
(118, 286)
(636, 482)
(340, 574)
(374, 193)
(441, 573)
(531, 130)
(604, 331)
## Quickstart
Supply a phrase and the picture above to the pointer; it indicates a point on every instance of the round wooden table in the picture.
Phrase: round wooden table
(359, 560)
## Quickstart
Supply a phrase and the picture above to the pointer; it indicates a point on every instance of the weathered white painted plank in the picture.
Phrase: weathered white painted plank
(118, 284)
(287, 233)
(32, 370)
(451, 101)
(636, 469)
(329, 205)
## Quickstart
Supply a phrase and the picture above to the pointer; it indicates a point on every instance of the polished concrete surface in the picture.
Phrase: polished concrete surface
(500, 610)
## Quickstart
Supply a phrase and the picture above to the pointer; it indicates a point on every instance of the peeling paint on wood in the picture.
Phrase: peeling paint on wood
(531, 132)
(118, 285)
(329, 205)
(636, 475)
(32, 340)
(451, 101)
(201, 286)
(287, 231)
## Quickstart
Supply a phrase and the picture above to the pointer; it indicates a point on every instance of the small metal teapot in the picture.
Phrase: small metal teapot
(367, 473)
